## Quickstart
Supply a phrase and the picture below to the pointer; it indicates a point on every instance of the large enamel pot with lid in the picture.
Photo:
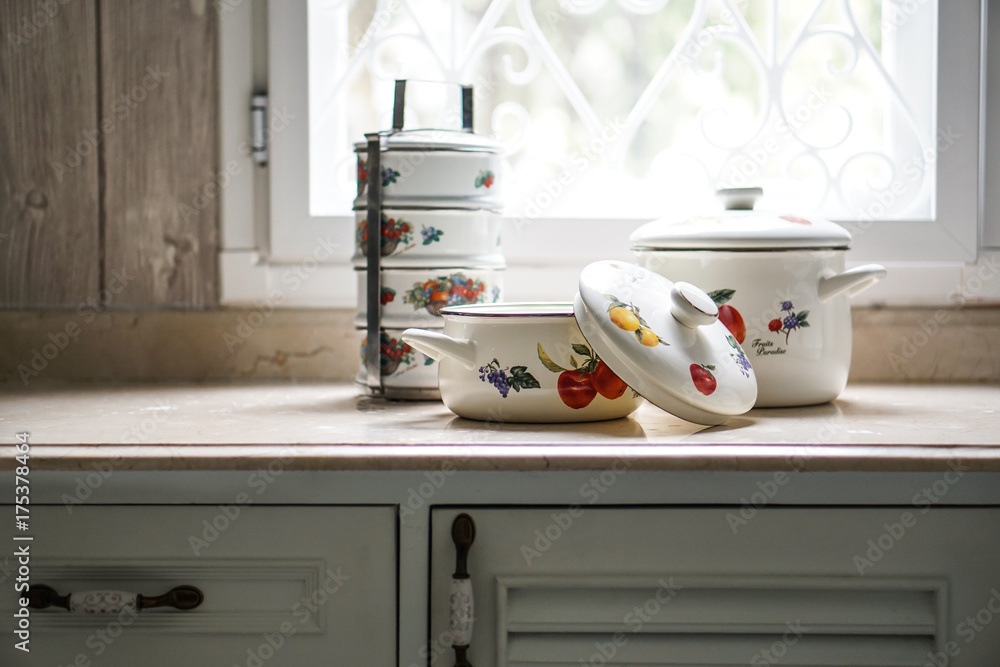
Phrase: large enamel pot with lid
(629, 334)
(780, 284)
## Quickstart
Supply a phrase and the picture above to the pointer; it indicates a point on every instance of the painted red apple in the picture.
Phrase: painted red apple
(734, 322)
(704, 381)
(729, 315)
(606, 383)
(576, 389)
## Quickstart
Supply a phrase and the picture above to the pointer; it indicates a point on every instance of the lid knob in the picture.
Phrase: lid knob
(691, 306)
(739, 199)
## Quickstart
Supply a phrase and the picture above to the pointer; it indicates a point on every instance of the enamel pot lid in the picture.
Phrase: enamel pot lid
(434, 140)
(665, 341)
(739, 227)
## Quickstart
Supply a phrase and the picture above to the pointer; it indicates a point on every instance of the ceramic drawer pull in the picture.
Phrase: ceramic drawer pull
(463, 534)
(182, 598)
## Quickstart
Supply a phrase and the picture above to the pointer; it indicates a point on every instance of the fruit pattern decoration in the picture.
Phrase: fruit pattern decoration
(729, 315)
(395, 231)
(393, 354)
(578, 386)
(518, 379)
(790, 322)
(485, 179)
(442, 291)
(626, 316)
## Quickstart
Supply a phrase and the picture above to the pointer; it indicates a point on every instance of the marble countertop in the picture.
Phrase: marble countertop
(327, 426)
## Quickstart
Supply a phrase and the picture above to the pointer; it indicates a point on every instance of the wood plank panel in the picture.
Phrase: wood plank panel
(159, 84)
(49, 248)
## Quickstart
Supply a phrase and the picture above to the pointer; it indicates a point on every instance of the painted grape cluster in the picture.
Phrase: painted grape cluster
(518, 379)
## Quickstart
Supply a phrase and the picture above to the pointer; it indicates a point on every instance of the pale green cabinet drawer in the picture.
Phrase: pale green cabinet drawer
(858, 587)
(283, 585)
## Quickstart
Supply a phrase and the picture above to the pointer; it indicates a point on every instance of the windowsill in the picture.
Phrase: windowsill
(326, 426)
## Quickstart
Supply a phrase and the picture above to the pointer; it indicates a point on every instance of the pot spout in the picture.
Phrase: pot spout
(437, 345)
(852, 281)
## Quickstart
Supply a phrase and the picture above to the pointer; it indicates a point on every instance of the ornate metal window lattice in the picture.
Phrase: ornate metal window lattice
(640, 108)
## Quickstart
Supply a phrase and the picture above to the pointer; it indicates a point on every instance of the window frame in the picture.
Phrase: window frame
(274, 251)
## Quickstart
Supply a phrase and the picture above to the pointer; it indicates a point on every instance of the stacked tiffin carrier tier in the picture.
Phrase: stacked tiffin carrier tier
(439, 204)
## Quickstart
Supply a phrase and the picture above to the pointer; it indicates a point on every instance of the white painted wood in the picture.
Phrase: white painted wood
(415, 492)
(236, 199)
(289, 585)
(682, 587)
(272, 584)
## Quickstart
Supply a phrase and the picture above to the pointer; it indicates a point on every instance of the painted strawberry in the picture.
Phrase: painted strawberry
(729, 315)
(704, 380)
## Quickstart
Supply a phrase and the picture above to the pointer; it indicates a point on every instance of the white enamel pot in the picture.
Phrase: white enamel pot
(781, 287)
(435, 169)
(521, 362)
(405, 373)
(416, 297)
(414, 238)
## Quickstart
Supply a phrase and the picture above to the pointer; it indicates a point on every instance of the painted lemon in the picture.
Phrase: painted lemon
(649, 339)
(624, 318)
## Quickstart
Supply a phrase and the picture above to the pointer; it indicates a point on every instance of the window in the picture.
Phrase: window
(614, 113)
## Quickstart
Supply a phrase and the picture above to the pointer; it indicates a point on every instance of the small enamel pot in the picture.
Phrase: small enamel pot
(521, 362)
(629, 333)
(780, 284)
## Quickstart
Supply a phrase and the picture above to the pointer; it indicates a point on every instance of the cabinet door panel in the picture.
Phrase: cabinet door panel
(282, 585)
(691, 586)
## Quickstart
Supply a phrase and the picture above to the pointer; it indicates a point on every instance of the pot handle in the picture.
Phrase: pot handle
(851, 281)
(437, 345)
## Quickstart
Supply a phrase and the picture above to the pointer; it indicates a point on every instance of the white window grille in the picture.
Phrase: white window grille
(615, 112)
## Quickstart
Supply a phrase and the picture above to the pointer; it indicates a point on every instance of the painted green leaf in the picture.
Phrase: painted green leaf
(803, 324)
(721, 296)
(803, 315)
(520, 379)
(547, 361)
(582, 350)
(572, 361)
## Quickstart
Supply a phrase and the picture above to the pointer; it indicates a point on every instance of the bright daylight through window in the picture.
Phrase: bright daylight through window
(610, 109)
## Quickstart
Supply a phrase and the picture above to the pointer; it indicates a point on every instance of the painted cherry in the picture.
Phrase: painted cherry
(703, 379)
(606, 383)
(576, 389)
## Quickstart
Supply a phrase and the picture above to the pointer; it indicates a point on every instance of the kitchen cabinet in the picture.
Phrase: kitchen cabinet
(696, 585)
(281, 585)
(862, 532)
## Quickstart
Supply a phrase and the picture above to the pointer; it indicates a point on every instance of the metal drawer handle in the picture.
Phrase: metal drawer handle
(463, 534)
(183, 598)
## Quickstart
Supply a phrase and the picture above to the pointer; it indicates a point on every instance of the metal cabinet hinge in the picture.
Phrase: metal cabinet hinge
(258, 126)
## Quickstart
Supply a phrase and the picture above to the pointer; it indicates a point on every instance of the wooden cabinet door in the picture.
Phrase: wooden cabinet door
(290, 585)
(692, 586)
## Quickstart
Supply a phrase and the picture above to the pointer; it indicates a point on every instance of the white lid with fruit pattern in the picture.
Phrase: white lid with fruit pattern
(739, 227)
(665, 341)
